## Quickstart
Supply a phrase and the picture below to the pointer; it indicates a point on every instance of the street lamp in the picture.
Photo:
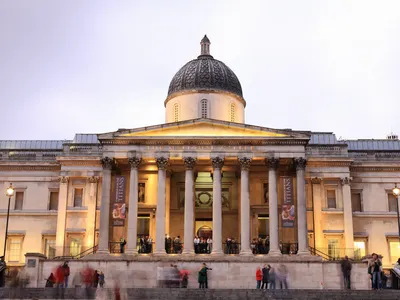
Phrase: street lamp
(396, 193)
(9, 193)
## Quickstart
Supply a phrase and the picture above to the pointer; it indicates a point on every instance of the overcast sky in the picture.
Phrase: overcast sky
(95, 66)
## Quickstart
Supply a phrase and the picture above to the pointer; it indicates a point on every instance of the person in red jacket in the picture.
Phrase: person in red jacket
(259, 277)
(66, 274)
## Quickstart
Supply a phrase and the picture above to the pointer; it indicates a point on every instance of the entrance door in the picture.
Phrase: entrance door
(263, 226)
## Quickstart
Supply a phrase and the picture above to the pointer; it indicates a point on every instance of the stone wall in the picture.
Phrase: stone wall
(227, 272)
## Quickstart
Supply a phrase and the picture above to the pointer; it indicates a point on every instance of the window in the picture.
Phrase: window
(359, 249)
(394, 248)
(53, 203)
(263, 226)
(19, 200)
(50, 247)
(356, 201)
(78, 195)
(75, 246)
(233, 112)
(333, 248)
(176, 112)
(392, 202)
(204, 108)
(14, 249)
(331, 198)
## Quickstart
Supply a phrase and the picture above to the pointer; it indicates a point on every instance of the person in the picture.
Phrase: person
(272, 278)
(397, 264)
(259, 277)
(122, 244)
(185, 280)
(375, 269)
(101, 279)
(95, 279)
(209, 245)
(60, 281)
(265, 275)
(66, 274)
(50, 280)
(346, 271)
(202, 279)
(3, 267)
(283, 273)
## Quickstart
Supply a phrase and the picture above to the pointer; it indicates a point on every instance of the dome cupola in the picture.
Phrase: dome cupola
(205, 88)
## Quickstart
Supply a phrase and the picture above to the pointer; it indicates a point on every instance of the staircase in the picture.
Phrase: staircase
(189, 294)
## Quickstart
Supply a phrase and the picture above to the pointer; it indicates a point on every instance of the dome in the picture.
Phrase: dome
(205, 74)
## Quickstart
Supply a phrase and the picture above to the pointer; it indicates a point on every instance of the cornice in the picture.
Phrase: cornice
(210, 141)
(374, 169)
(56, 167)
(311, 163)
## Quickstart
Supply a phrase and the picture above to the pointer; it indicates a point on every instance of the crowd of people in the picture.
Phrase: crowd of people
(267, 276)
(145, 244)
(202, 245)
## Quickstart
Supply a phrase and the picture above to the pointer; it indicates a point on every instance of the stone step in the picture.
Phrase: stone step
(209, 294)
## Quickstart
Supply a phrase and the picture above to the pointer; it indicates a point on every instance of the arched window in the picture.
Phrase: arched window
(233, 112)
(204, 108)
(176, 112)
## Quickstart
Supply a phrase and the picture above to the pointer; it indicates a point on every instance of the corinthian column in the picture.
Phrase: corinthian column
(162, 164)
(91, 185)
(244, 206)
(105, 206)
(189, 206)
(348, 216)
(301, 207)
(273, 164)
(133, 206)
(217, 164)
(61, 215)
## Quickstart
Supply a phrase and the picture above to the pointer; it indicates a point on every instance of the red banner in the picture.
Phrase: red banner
(119, 205)
(288, 209)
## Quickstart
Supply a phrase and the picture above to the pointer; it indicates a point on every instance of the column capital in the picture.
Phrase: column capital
(346, 180)
(134, 162)
(245, 163)
(93, 179)
(189, 162)
(162, 163)
(272, 162)
(63, 179)
(107, 163)
(217, 162)
(316, 180)
(300, 163)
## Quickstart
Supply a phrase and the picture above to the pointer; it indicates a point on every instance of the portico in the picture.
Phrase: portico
(219, 167)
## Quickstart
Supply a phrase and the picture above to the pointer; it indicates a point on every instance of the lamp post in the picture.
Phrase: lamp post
(396, 193)
(9, 193)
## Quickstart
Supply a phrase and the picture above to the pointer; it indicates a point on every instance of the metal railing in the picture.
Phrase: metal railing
(395, 274)
(337, 253)
(231, 247)
(73, 253)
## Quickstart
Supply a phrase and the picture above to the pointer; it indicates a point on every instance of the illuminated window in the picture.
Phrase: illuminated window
(75, 246)
(204, 108)
(233, 112)
(394, 248)
(333, 248)
(19, 200)
(78, 195)
(176, 112)
(14, 249)
(50, 247)
(359, 249)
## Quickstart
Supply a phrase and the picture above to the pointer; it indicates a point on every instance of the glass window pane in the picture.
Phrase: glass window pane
(143, 224)
(78, 194)
(19, 200)
(392, 202)
(53, 205)
(356, 201)
(50, 248)
(331, 197)
(75, 246)
(394, 252)
(359, 249)
(263, 227)
(333, 248)
(14, 249)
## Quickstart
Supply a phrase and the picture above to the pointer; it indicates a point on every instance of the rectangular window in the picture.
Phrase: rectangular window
(53, 204)
(333, 248)
(394, 248)
(392, 202)
(19, 200)
(263, 226)
(50, 247)
(14, 249)
(331, 198)
(143, 225)
(359, 249)
(356, 201)
(78, 195)
(75, 246)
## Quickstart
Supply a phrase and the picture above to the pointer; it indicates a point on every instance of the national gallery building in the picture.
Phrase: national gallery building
(204, 173)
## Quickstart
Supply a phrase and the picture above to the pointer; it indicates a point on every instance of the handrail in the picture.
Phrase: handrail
(320, 253)
(78, 256)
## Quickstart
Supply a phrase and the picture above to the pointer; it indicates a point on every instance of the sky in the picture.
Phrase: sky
(94, 66)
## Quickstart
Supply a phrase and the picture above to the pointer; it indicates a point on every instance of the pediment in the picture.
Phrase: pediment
(205, 128)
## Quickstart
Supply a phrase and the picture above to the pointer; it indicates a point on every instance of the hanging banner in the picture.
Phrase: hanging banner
(288, 209)
(119, 205)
